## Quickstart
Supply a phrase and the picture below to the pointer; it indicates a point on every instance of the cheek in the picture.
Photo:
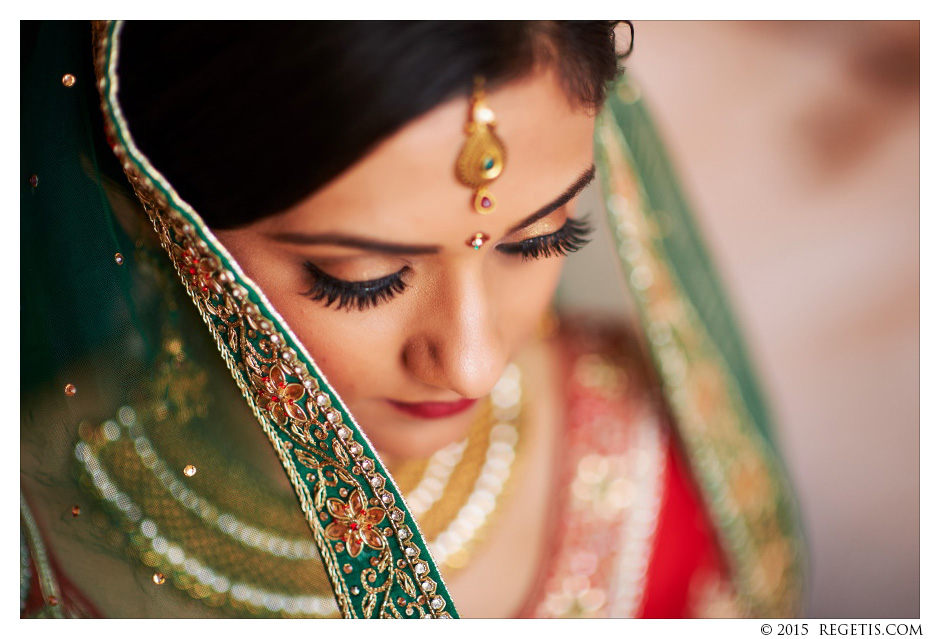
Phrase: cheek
(526, 291)
(360, 353)
(346, 346)
(353, 350)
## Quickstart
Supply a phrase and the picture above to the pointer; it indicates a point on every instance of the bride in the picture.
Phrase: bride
(335, 374)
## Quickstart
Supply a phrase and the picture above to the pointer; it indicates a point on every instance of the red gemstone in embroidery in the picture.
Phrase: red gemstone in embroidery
(353, 525)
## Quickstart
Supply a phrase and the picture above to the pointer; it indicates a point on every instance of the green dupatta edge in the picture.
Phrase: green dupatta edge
(330, 462)
(707, 381)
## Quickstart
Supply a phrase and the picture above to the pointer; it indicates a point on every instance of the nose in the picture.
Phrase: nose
(456, 343)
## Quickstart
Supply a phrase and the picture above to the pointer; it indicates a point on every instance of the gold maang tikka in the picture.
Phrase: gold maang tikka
(483, 155)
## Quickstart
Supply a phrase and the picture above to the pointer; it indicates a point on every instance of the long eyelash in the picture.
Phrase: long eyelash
(359, 295)
(573, 236)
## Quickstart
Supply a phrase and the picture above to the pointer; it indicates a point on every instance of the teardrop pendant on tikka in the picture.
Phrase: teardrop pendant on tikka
(483, 155)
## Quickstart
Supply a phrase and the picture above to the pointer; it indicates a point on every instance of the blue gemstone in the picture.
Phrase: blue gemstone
(488, 163)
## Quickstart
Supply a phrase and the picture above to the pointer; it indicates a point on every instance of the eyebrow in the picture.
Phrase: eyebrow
(577, 186)
(352, 241)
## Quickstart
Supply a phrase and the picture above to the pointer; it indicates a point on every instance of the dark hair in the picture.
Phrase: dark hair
(247, 119)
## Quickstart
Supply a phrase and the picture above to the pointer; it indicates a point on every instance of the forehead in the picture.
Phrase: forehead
(409, 183)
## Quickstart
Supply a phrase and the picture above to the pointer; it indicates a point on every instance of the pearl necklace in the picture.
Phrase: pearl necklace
(200, 579)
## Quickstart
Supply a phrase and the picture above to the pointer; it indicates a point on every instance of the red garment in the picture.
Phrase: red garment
(630, 537)
(684, 548)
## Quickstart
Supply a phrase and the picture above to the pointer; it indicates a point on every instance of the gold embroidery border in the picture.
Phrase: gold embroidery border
(248, 317)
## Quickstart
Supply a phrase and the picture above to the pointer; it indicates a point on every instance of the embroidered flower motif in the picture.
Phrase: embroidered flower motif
(354, 523)
(278, 397)
(198, 270)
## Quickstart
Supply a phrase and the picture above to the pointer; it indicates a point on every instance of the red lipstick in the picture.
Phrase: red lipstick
(433, 410)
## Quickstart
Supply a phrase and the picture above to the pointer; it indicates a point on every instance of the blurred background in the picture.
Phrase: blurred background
(798, 146)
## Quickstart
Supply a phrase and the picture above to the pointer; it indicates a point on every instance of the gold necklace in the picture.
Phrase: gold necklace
(461, 483)
(194, 534)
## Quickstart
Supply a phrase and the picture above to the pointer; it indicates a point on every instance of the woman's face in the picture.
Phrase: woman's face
(438, 321)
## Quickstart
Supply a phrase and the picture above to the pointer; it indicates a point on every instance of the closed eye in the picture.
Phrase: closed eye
(361, 295)
(572, 236)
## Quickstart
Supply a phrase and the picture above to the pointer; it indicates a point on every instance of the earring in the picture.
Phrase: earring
(483, 155)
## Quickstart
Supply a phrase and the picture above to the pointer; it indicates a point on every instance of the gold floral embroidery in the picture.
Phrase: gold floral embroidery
(354, 523)
(198, 270)
(279, 397)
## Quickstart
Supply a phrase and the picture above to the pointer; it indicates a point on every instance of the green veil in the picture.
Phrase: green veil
(117, 363)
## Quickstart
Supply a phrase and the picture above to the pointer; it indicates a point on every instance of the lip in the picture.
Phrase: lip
(434, 410)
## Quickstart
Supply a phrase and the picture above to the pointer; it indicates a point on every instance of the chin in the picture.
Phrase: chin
(399, 437)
